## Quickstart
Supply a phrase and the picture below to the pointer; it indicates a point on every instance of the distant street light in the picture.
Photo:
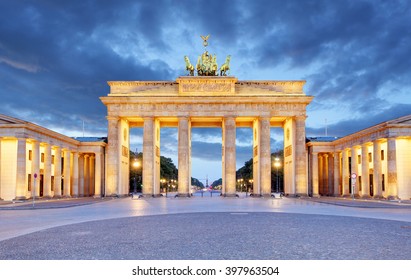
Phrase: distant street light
(277, 165)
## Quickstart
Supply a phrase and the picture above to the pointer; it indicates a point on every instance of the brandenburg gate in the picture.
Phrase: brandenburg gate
(206, 100)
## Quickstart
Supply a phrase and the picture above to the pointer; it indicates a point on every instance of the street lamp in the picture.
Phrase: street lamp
(277, 165)
(251, 182)
(162, 181)
(136, 165)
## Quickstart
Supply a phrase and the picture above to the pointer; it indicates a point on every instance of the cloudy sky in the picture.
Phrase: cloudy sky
(56, 56)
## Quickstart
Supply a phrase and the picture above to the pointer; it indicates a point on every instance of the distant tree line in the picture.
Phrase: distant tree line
(168, 171)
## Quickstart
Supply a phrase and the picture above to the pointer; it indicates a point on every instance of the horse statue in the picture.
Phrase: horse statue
(189, 66)
(225, 67)
(214, 66)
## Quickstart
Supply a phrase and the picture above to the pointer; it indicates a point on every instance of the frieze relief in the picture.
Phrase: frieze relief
(212, 109)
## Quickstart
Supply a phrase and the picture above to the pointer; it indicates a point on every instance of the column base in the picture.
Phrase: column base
(366, 196)
(378, 197)
(316, 196)
(20, 198)
(97, 196)
(58, 196)
(393, 197)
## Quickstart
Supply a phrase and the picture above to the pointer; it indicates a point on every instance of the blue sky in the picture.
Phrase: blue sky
(56, 56)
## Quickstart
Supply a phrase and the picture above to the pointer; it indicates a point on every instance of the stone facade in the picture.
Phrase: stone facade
(380, 156)
(207, 102)
(64, 167)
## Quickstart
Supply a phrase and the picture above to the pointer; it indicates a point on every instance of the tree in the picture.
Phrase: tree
(168, 171)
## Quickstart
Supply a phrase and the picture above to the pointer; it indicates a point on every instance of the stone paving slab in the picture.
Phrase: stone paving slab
(219, 236)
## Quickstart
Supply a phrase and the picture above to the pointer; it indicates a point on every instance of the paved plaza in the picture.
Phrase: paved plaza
(206, 228)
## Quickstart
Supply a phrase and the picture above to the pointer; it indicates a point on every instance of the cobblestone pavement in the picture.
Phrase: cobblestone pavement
(207, 228)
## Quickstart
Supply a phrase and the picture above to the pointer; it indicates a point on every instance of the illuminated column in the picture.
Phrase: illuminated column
(377, 169)
(35, 168)
(314, 163)
(91, 175)
(97, 177)
(21, 176)
(86, 176)
(345, 173)
(148, 158)
(81, 175)
(47, 171)
(354, 169)
(229, 156)
(57, 172)
(75, 189)
(365, 185)
(184, 180)
(66, 173)
(326, 173)
(320, 175)
(301, 187)
(336, 174)
(265, 157)
(392, 169)
(330, 171)
(113, 156)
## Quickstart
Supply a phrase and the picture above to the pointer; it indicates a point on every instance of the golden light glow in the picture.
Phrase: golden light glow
(136, 164)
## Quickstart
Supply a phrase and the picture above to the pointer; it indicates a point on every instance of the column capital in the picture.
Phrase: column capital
(300, 118)
(112, 118)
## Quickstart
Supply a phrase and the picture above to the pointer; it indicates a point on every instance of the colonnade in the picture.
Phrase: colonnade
(32, 167)
(374, 163)
(118, 151)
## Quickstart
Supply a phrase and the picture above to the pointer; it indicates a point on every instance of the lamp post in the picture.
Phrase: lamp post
(251, 182)
(277, 165)
(136, 165)
(162, 181)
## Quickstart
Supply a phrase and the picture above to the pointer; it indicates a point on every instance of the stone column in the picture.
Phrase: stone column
(1, 193)
(91, 175)
(315, 174)
(265, 156)
(148, 156)
(75, 190)
(345, 173)
(337, 174)
(354, 169)
(330, 183)
(98, 165)
(392, 191)
(320, 175)
(35, 169)
(21, 175)
(81, 175)
(230, 156)
(47, 171)
(301, 187)
(184, 180)
(365, 173)
(326, 172)
(377, 169)
(66, 173)
(57, 172)
(113, 156)
(86, 177)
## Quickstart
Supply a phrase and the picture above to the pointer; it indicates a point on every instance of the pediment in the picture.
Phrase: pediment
(10, 120)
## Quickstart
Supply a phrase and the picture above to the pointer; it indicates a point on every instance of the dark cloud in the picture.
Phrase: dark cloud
(56, 56)
(353, 125)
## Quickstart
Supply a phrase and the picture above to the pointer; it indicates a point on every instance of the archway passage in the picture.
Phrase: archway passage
(207, 102)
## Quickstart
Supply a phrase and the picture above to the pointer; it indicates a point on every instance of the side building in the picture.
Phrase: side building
(379, 156)
(35, 161)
